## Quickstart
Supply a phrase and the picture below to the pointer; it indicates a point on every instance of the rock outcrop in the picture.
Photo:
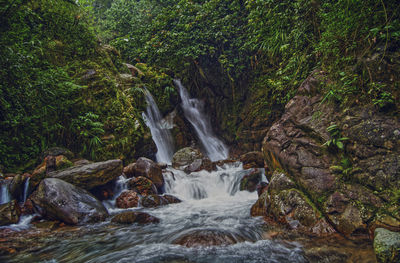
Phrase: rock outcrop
(60, 200)
(352, 184)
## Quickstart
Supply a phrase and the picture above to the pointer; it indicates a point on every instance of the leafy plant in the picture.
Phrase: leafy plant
(336, 141)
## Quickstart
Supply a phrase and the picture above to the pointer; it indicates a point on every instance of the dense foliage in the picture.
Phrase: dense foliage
(256, 51)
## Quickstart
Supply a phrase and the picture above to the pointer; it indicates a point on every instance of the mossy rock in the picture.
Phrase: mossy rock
(387, 246)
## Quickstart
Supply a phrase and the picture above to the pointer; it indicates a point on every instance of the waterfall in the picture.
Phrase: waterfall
(160, 134)
(26, 189)
(193, 110)
(5, 196)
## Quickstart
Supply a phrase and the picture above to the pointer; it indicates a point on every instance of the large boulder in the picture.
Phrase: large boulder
(9, 213)
(142, 185)
(147, 168)
(355, 185)
(90, 175)
(387, 246)
(57, 199)
(127, 199)
(131, 217)
(186, 156)
(282, 203)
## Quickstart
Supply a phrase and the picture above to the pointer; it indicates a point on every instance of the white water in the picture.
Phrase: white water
(24, 223)
(26, 189)
(120, 186)
(211, 203)
(194, 113)
(5, 196)
(160, 134)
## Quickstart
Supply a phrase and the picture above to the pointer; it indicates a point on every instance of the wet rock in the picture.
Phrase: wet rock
(131, 217)
(16, 187)
(9, 213)
(249, 182)
(282, 203)
(153, 201)
(147, 168)
(57, 199)
(127, 199)
(253, 159)
(90, 175)
(387, 246)
(200, 164)
(142, 186)
(261, 188)
(129, 170)
(185, 157)
(172, 199)
(162, 165)
(82, 162)
(205, 238)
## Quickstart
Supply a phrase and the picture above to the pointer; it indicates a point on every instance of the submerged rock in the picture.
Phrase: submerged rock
(90, 175)
(57, 199)
(127, 199)
(387, 246)
(9, 213)
(131, 217)
(206, 237)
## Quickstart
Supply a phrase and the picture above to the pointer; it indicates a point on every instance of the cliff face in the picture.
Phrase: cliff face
(343, 164)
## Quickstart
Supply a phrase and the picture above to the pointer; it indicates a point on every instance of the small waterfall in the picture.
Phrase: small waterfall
(5, 196)
(120, 186)
(193, 110)
(26, 189)
(219, 185)
(160, 134)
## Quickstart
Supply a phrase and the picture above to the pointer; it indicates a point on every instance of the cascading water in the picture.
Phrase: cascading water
(26, 189)
(212, 205)
(160, 134)
(193, 110)
(5, 196)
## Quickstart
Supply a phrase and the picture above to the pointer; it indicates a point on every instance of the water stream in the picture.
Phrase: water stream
(26, 189)
(160, 134)
(5, 196)
(211, 204)
(194, 113)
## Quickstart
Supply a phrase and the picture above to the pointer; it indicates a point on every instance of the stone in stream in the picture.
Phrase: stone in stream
(57, 199)
(147, 168)
(249, 182)
(158, 200)
(127, 199)
(91, 175)
(131, 217)
(142, 185)
(206, 237)
(387, 246)
(192, 160)
(9, 213)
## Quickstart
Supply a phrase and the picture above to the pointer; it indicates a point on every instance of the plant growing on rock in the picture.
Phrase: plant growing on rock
(336, 140)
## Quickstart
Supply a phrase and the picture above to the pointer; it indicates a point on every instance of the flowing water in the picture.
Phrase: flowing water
(5, 196)
(160, 134)
(26, 189)
(194, 113)
(211, 203)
